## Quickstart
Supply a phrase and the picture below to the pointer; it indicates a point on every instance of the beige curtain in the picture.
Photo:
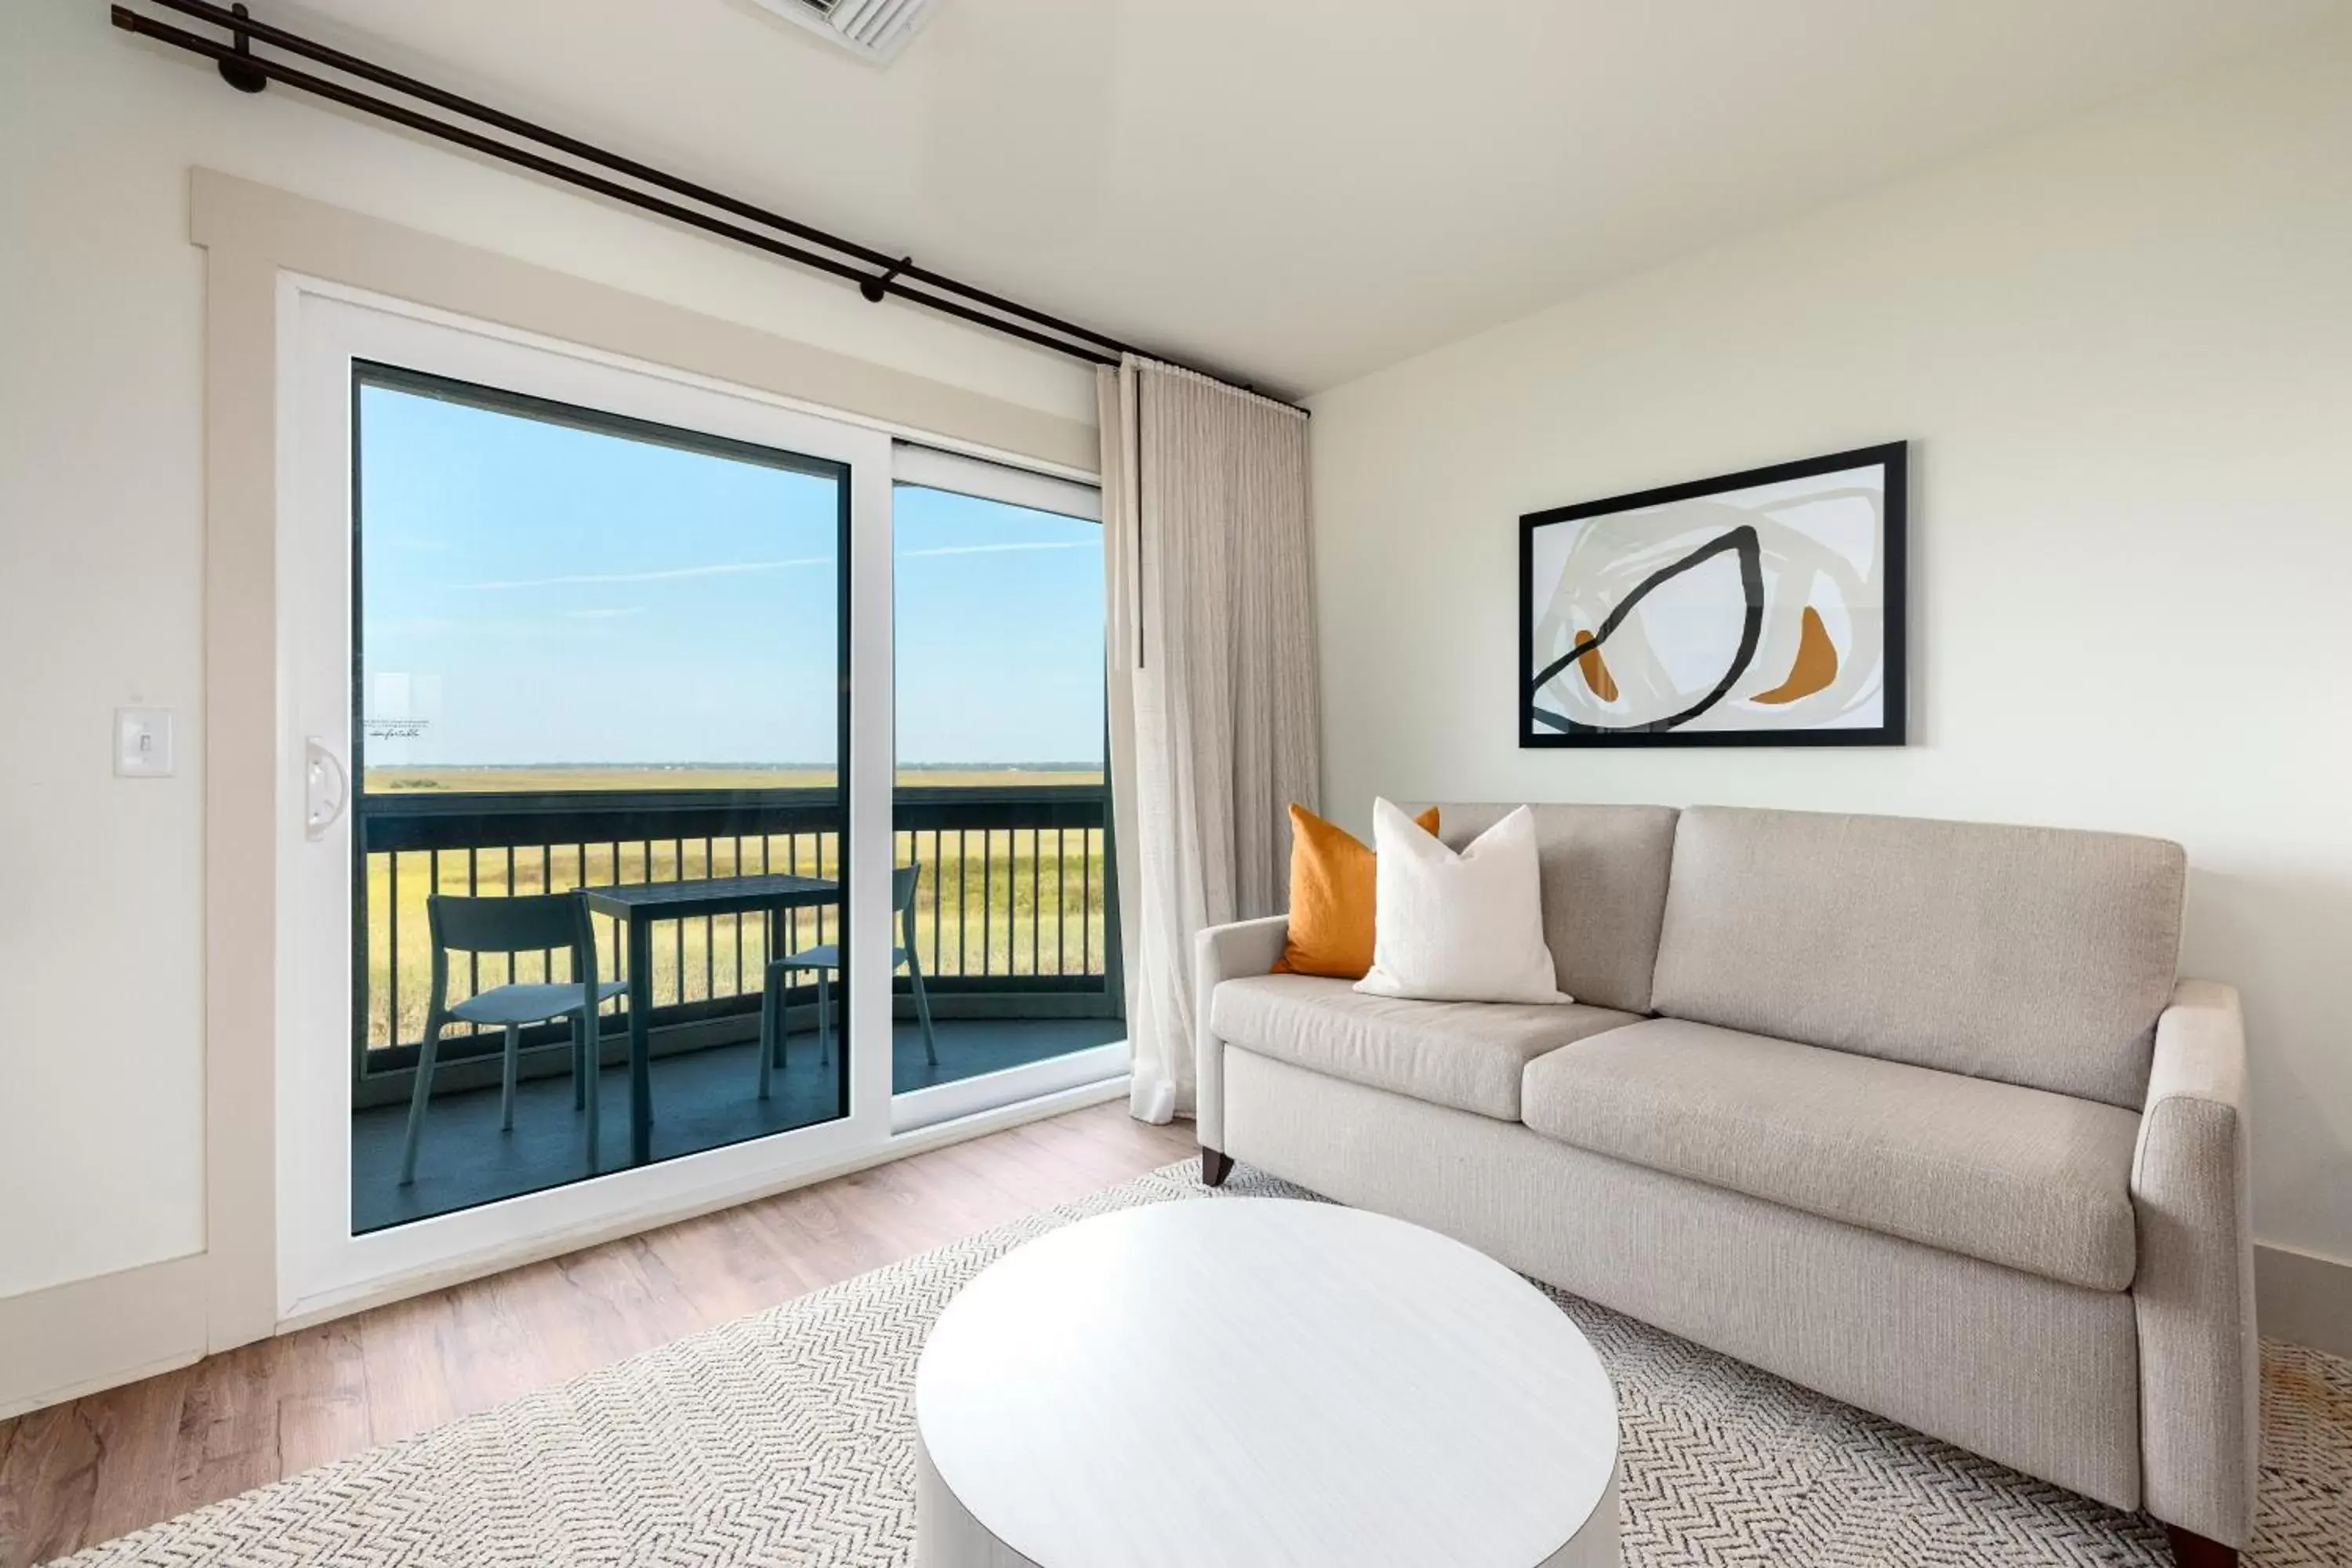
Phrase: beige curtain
(1213, 730)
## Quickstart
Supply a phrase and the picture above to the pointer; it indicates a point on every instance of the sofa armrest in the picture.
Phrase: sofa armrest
(2200, 1353)
(1220, 953)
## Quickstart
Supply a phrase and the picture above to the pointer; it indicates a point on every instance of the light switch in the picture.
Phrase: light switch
(142, 743)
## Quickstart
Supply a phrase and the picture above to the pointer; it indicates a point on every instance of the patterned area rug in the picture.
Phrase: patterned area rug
(785, 1438)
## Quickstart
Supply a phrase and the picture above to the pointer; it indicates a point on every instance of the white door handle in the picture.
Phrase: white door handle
(326, 787)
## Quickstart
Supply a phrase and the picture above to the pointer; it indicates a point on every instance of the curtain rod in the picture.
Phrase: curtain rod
(878, 274)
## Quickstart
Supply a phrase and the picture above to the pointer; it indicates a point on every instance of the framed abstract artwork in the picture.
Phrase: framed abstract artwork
(1763, 608)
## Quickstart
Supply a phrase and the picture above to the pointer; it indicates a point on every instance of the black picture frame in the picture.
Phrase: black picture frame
(1540, 730)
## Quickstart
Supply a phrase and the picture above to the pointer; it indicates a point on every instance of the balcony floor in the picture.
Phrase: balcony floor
(702, 1099)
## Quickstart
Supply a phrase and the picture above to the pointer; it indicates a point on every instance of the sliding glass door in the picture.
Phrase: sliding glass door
(583, 662)
(685, 793)
(591, 653)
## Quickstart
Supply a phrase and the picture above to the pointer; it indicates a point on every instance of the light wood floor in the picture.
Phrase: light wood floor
(87, 1471)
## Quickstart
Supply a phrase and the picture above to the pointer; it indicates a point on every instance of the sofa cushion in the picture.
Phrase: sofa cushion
(1466, 1054)
(1458, 925)
(1333, 898)
(2036, 956)
(2012, 1175)
(1604, 872)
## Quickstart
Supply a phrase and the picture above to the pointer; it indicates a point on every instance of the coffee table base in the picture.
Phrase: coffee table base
(948, 1536)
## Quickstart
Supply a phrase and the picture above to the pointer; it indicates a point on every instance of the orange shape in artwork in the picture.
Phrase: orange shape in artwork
(1596, 674)
(1816, 664)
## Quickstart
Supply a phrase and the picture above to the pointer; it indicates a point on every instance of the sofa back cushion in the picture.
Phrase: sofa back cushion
(1604, 891)
(2030, 955)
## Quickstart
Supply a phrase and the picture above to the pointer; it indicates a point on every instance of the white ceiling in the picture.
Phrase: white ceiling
(1302, 191)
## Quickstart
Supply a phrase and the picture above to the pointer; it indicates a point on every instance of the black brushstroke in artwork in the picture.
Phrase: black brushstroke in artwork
(1744, 541)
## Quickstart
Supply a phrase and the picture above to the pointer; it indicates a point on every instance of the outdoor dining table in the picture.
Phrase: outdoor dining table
(637, 907)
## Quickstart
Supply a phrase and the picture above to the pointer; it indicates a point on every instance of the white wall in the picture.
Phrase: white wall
(2123, 350)
(102, 533)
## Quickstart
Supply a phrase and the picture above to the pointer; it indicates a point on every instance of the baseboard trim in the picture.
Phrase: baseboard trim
(2304, 1298)
(66, 1341)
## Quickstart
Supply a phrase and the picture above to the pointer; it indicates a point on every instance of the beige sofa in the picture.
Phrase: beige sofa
(1915, 1113)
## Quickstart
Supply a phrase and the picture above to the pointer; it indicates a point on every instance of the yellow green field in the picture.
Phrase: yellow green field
(1013, 901)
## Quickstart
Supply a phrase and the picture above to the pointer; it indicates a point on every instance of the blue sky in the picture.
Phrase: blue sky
(534, 595)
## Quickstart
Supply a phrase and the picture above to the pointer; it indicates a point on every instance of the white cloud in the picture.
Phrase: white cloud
(737, 568)
(663, 574)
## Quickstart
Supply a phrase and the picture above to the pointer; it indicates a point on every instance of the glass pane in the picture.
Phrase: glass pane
(1003, 801)
(594, 654)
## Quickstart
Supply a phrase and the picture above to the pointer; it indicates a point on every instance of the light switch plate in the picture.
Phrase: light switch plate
(142, 743)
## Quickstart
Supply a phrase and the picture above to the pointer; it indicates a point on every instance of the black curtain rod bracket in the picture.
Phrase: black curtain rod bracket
(878, 288)
(237, 73)
(848, 260)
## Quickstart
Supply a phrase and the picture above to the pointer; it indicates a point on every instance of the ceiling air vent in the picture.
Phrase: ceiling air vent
(874, 29)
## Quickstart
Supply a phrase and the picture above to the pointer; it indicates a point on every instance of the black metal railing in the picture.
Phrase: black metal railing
(1015, 914)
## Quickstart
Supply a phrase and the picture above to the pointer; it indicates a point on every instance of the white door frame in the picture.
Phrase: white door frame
(321, 1267)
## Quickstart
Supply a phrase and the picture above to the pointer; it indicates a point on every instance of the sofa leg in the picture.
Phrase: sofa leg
(1214, 1167)
(2191, 1550)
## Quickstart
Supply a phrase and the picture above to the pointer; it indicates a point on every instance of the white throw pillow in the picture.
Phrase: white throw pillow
(1458, 928)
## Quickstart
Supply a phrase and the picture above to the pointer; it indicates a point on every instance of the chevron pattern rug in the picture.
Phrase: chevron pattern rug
(785, 1438)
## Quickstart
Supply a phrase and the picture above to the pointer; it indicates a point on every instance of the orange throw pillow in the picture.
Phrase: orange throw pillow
(1331, 901)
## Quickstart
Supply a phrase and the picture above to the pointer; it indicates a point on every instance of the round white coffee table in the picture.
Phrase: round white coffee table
(1255, 1381)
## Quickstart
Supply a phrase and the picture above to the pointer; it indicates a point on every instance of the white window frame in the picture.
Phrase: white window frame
(933, 468)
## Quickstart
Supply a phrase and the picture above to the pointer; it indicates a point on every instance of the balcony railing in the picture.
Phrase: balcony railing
(1014, 916)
